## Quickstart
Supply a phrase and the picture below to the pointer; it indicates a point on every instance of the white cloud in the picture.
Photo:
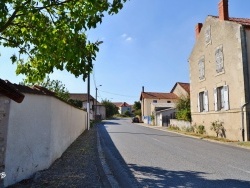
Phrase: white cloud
(126, 37)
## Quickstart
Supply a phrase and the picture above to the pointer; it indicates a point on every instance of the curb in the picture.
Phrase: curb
(190, 136)
(110, 179)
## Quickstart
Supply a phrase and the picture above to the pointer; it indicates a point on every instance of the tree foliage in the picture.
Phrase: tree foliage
(137, 108)
(55, 86)
(111, 109)
(183, 109)
(51, 34)
(137, 105)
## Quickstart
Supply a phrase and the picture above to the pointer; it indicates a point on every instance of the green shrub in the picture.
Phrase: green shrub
(127, 114)
(218, 127)
(189, 129)
(200, 129)
(173, 127)
(183, 109)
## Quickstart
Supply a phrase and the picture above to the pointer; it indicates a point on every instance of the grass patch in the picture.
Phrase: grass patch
(246, 144)
(202, 136)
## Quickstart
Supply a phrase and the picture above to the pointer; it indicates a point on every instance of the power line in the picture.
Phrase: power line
(93, 76)
(118, 94)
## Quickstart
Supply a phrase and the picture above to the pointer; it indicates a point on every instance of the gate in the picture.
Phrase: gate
(165, 121)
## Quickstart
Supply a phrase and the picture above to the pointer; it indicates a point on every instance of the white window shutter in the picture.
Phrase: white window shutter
(206, 100)
(215, 100)
(226, 97)
(198, 105)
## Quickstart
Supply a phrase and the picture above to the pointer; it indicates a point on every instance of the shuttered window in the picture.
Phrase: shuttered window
(203, 101)
(221, 98)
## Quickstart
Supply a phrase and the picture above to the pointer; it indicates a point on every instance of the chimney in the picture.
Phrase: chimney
(142, 89)
(198, 29)
(223, 10)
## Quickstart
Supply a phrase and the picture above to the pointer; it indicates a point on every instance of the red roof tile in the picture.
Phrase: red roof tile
(156, 95)
(121, 104)
(80, 96)
(242, 21)
(185, 86)
(7, 89)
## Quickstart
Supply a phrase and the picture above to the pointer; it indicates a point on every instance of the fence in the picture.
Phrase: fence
(180, 123)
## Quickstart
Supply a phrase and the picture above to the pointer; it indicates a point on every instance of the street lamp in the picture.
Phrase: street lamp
(96, 100)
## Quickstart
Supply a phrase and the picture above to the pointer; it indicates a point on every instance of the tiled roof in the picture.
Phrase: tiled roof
(14, 91)
(242, 21)
(185, 86)
(7, 89)
(121, 104)
(80, 96)
(156, 95)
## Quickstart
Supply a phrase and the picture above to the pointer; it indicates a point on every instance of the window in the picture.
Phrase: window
(154, 101)
(203, 101)
(219, 59)
(208, 35)
(202, 68)
(221, 101)
(168, 101)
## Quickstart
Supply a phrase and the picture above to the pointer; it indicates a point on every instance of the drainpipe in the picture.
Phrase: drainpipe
(246, 76)
(242, 114)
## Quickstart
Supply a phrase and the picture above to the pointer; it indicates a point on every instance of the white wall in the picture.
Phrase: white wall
(39, 130)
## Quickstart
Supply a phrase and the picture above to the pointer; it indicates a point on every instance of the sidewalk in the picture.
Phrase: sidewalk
(79, 166)
(234, 144)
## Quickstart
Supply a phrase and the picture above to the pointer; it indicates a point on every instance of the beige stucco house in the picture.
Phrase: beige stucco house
(93, 103)
(219, 74)
(123, 107)
(151, 102)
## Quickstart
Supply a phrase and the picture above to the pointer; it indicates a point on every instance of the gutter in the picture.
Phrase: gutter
(242, 115)
(246, 76)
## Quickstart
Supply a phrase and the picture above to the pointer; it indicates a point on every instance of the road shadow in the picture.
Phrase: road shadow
(157, 177)
(115, 161)
(110, 123)
(154, 176)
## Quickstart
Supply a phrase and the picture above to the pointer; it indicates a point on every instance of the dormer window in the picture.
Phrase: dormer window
(219, 59)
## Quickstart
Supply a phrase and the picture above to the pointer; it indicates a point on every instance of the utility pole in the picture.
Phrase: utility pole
(88, 104)
(96, 101)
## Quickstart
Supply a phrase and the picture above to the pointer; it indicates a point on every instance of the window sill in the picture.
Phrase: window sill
(220, 73)
(202, 80)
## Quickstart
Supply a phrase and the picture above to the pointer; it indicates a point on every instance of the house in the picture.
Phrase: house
(219, 74)
(36, 127)
(158, 105)
(94, 105)
(123, 107)
(181, 89)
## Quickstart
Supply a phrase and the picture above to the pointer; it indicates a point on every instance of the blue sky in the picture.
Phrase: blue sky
(146, 44)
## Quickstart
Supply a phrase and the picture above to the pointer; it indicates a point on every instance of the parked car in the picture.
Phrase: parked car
(135, 120)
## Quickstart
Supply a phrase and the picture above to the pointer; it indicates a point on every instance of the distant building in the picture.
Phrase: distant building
(123, 107)
(152, 102)
(83, 97)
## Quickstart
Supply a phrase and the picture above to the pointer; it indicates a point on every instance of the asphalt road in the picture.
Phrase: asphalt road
(143, 157)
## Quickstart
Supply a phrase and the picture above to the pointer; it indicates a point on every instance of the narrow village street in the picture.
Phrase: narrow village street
(143, 157)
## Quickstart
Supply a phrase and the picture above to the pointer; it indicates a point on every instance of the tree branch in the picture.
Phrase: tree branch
(12, 17)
